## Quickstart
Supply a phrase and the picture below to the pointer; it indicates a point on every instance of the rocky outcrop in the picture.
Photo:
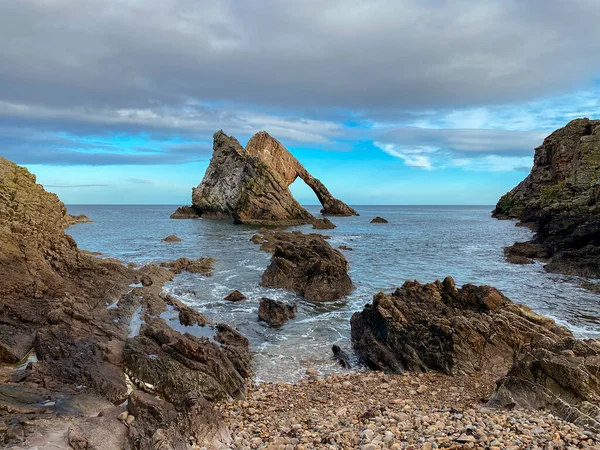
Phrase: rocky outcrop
(436, 326)
(323, 224)
(250, 185)
(81, 218)
(561, 376)
(70, 323)
(274, 312)
(185, 212)
(560, 200)
(307, 265)
(203, 266)
(379, 220)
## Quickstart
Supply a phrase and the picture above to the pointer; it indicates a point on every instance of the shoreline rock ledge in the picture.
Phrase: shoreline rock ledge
(476, 330)
(251, 185)
(560, 201)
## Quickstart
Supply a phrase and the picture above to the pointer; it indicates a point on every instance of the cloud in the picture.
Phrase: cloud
(364, 56)
(412, 157)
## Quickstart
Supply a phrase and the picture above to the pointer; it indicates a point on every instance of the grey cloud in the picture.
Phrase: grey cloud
(371, 57)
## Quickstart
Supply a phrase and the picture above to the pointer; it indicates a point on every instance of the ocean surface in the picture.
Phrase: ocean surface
(421, 243)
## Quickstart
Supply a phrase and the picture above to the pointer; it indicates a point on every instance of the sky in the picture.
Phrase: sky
(385, 101)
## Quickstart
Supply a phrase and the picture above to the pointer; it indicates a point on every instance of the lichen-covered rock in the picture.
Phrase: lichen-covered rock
(560, 199)
(250, 185)
(306, 264)
(436, 326)
(274, 312)
(560, 376)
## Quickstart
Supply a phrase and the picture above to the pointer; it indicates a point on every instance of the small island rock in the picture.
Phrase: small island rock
(379, 220)
(274, 312)
(235, 296)
(172, 238)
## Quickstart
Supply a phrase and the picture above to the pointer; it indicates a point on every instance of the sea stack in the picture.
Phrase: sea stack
(250, 185)
(560, 200)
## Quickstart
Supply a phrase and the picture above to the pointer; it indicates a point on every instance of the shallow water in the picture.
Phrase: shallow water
(419, 242)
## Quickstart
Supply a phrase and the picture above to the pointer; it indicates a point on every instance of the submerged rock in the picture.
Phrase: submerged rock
(307, 265)
(436, 326)
(274, 312)
(172, 238)
(250, 185)
(235, 296)
(379, 220)
(560, 200)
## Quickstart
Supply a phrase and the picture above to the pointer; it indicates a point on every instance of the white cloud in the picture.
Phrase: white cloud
(413, 157)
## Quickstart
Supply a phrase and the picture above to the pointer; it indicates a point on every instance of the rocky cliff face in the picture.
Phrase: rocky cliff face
(251, 185)
(560, 200)
(76, 338)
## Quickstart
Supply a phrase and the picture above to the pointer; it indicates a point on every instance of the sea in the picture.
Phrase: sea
(421, 243)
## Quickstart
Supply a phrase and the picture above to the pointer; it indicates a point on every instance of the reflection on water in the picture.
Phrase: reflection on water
(422, 243)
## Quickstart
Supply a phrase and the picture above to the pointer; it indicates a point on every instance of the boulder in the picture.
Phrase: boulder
(307, 265)
(341, 356)
(562, 376)
(172, 238)
(323, 224)
(560, 200)
(274, 312)
(235, 296)
(203, 266)
(379, 220)
(435, 326)
(250, 185)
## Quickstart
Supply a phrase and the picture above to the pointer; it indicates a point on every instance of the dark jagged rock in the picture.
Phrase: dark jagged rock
(560, 200)
(345, 247)
(235, 296)
(323, 224)
(250, 185)
(341, 356)
(172, 238)
(269, 239)
(274, 312)
(561, 376)
(379, 220)
(200, 265)
(307, 265)
(436, 326)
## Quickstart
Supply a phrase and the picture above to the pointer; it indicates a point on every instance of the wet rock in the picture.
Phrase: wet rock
(309, 266)
(203, 266)
(274, 312)
(436, 326)
(515, 259)
(341, 356)
(560, 200)
(270, 239)
(560, 376)
(379, 220)
(172, 238)
(235, 296)
(345, 247)
(323, 224)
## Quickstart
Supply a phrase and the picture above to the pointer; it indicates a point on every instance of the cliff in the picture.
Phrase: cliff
(560, 200)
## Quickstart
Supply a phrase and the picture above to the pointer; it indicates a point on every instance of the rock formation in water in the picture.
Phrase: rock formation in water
(560, 201)
(172, 238)
(235, 296)
(305, 264)
(203, 266)
(72, 327)
(274, 312)
(379, 220)
(436, 326)
(251, 185)
(81, 218)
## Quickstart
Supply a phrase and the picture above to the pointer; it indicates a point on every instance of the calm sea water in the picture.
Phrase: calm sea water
(420, 242)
